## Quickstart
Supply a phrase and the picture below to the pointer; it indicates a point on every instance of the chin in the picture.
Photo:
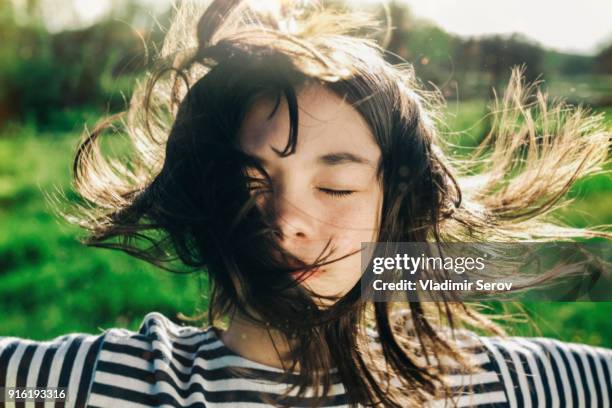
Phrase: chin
(329, 282)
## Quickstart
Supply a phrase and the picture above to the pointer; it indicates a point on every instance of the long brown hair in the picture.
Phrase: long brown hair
(184, 194)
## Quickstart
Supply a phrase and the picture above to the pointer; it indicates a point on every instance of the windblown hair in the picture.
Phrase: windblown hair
(184, 194)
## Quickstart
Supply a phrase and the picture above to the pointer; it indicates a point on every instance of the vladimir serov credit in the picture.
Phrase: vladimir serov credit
(411, 265)
(447, 285)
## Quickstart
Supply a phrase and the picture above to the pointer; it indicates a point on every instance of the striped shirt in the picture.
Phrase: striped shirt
(169, 365)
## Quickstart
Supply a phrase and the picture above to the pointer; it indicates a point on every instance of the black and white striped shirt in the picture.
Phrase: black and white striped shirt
(164, 364)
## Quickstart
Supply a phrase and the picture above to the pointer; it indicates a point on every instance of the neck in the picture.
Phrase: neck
(258, 343)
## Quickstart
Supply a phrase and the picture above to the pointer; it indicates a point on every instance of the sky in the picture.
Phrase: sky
(567, 25)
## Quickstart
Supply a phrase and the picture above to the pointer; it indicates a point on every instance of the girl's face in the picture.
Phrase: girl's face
(327, 189)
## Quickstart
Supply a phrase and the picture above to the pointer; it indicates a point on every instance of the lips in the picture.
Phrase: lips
(291, 263)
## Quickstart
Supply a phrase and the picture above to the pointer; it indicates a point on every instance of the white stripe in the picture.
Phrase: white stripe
(168, 347)
(535, 373)
(601, 377)
(587, 372)
(472, 379)
(606, 357)
(106, 401)
(13, 366)
(56, 364)
(141, 362)
(503, 367)
(552, 383)
(520, 373)
(449, 362)
(561, 368)
(34, 370)
(574, 369)
(124, 359)
(479, 359)
(4, 341)
(224, 385)
(248, 405)
(119, 357)
(479, 399)
(173, 330)
(211, 364)
(492, 397)
(228, 405)
(476, 359)
(130, 341)
(77, 369)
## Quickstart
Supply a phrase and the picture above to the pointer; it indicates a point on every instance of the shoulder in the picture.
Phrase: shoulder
(66, 361)
(113, 368)
(543, 369)
(148, 365)
(522, 371)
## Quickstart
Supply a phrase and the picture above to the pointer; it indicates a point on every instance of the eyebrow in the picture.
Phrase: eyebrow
(329, 159)
(336, 158)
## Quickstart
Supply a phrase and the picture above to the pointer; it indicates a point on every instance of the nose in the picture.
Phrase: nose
(287, 209)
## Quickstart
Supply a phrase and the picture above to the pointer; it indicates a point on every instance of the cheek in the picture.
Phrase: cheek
(357, 222)
(358, 219)
(353, 225)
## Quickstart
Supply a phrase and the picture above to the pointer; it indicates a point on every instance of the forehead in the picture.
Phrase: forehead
(326, 122)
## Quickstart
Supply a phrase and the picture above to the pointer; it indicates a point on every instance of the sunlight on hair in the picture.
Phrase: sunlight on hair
(180, 198)
(272, 7)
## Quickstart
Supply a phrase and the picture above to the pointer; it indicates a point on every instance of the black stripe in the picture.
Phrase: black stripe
(150, 355)
(568, 370)
(492, 365)
(67, 366)
(512, 370)
(556, 372)
(593, 370)
(23, 369)
(606, 370)
(480, 388)
(538, 357)
(154, 376)
(43, 374)
(529, 376)
(216, 374)
(164, 321)
(207, 354)
(235, 396)
(5, 356)
(189, 348)
(169, 334)
(87, 374)
(583, 377)
(24, 365)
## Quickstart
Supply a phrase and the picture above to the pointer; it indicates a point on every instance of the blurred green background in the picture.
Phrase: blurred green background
(52, 83)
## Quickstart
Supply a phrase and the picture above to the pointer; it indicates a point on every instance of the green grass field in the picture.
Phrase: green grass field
(50, 284)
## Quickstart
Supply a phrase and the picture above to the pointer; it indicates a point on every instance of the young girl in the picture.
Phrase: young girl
(269, 143)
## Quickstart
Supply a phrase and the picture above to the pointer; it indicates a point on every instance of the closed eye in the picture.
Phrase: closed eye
(336, 193)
